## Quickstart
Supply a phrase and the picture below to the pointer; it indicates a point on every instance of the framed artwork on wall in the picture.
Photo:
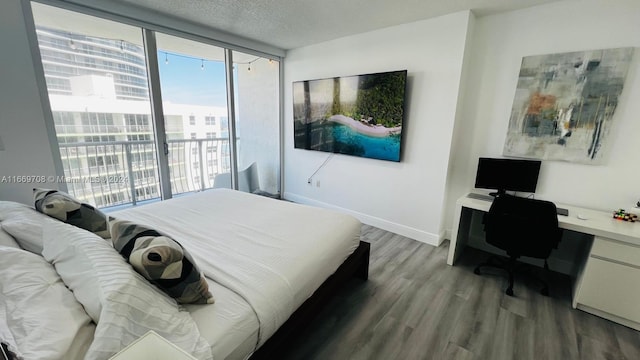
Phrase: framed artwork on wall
(564, 105)
(359, 115)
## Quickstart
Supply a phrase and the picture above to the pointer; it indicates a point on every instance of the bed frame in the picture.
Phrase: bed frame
(357, 264)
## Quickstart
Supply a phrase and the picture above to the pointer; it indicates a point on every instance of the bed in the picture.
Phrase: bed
(268, 263)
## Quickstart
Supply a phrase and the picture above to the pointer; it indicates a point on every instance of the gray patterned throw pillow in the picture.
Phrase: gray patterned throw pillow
(161, 260)
(67, 209)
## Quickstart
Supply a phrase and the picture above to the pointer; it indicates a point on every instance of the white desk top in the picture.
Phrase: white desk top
(599, 223)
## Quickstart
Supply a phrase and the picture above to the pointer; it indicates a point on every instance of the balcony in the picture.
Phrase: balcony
(126, 172)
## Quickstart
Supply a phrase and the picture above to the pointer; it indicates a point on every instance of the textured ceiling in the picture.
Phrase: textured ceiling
(289, 24)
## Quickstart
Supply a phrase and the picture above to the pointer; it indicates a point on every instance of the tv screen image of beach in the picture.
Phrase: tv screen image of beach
(358, 115)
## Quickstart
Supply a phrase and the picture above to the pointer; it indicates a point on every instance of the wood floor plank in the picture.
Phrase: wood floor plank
(513, 337)
(431, 336)
(475, 329)
(589, 348)
(505, 329)
(455, 352)
(414, 306)
(386, 340)
(628, 340)
(596, 328)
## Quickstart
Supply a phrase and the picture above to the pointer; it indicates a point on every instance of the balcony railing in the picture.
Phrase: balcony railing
(122, 172)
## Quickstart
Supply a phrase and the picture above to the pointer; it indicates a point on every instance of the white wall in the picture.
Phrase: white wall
(499, 43)
(405, 197)
(22, 126)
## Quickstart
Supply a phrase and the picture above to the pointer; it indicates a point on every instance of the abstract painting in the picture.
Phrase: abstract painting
(564, 105)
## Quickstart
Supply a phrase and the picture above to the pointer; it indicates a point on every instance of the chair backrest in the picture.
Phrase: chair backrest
(248, 180)
(522, 226)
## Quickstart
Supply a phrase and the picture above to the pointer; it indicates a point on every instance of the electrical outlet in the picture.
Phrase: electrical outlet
(317, 183)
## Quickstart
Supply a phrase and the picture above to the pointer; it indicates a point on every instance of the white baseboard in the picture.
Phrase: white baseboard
(404, 230)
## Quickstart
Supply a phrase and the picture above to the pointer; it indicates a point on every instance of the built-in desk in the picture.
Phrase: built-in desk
(608, 280)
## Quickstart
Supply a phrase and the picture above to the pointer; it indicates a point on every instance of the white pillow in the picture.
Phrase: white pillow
(7, 240)
(73, 252)
(122, 302)
(40, 317)
(24, 224)
(11, 209)
(26, 232)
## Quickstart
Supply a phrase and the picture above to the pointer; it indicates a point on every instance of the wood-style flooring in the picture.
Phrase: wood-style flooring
(415, 306)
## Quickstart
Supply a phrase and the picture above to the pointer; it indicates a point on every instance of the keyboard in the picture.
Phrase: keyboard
(480, 196)
(562, 211)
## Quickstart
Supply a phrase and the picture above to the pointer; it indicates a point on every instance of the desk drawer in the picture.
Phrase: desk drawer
(612, 288)
(616, 251)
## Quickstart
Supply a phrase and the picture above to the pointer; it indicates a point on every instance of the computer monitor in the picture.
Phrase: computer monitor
(507, 175)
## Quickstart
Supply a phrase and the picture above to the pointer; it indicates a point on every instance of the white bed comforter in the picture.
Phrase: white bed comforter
(122, 302)
(45, 301)
(39, 317)
(274, 254)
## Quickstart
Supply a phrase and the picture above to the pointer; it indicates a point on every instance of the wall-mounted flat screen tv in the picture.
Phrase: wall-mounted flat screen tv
(358, 115)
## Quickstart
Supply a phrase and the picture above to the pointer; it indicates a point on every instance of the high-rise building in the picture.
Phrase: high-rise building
(99, 98)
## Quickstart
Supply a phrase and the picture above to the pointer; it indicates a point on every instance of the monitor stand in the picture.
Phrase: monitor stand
(500, 192)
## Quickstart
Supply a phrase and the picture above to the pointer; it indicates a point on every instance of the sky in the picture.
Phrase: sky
(184, 81)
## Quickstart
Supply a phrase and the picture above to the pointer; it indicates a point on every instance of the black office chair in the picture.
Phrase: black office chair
(521, 227)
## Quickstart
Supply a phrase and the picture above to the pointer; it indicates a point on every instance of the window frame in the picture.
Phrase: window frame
(149, 26)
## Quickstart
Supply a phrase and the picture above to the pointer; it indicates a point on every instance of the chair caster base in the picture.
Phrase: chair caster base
(509, 292)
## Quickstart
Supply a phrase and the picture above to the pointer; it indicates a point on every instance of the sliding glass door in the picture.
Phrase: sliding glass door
(194, 94)
(98, 81)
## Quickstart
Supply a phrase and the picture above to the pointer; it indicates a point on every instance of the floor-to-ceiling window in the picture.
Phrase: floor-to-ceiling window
(97, 83)
(194, 93)
(97, 78)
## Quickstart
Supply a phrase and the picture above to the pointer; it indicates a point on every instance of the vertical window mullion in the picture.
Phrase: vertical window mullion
(157, 113)
(231, 111)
